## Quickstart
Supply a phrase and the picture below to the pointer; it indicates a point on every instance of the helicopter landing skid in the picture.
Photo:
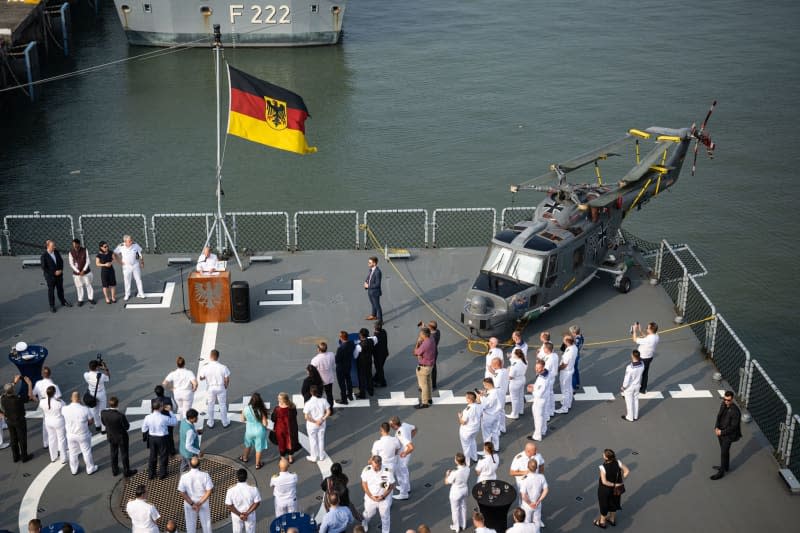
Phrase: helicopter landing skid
(621, 282)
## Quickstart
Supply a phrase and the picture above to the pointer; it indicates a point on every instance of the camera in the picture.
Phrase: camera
(100, 360)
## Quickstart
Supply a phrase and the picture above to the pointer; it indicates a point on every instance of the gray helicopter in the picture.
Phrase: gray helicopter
(572, 235)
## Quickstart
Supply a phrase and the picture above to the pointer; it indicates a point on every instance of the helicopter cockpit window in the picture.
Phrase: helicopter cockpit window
(526, 268)
(497, 260)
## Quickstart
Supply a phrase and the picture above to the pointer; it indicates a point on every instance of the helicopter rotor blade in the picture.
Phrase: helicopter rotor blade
(600, 153)
(644, 167)
(708, 116)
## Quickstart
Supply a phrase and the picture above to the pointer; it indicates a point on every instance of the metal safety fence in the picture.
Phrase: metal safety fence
(697, 307)
(694, 267)
(26, 234)
(180, 232)
(397, 228)
(259, 231)
(111, 228)
(793, 447)
(509, 216)
(673, 276)
(325, 230)
(457, 227)
(730, 356)
(768, 407)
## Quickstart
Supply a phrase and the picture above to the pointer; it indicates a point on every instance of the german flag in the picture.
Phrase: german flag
(267, 114)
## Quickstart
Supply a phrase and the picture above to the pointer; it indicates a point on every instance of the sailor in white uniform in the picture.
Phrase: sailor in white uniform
(519, 465)
(96, 379)
(184, 384)
(377, 483)
(516, 383)
(388, 447)
(40, 393)
(284, 489)
(533, 489)
(470, 421)
(493, 353)
(218, 377)
(77, 418)
(551, 363)
(242, 500)
(130, 255)
(488, 464)
(539, 392)
(458, 479)
(500, 379)
(316, 412)
(519, 344)
(195, 486)
(630, 386)
(405, 433)
(565, 371)
(492, 412)
(144, 516)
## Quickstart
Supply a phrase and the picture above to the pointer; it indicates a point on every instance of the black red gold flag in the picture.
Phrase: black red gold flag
(265, 113)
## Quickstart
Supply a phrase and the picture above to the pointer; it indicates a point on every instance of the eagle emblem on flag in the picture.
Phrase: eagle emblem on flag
(276, 113)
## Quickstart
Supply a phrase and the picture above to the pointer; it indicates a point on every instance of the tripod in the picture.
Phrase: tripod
(183, 299)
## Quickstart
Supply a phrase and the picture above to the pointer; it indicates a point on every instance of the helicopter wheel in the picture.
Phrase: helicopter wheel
(624, 285)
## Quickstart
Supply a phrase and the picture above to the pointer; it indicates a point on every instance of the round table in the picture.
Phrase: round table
(57, 526)
(494, 499)
(29, 363)
(303, 522)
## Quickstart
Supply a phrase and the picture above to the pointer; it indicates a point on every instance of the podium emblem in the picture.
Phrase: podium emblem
(208, 295)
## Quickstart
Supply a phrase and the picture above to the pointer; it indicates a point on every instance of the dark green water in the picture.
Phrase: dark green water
(443, 104)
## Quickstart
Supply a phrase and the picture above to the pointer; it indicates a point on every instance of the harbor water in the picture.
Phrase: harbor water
(444, 104)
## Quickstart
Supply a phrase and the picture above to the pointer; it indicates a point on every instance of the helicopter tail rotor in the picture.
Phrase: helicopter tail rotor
(702, 136)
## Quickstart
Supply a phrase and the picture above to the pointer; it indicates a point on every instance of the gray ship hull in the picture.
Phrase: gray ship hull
(243, 22)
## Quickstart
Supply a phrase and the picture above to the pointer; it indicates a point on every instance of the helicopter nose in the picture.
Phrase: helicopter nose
(479, 305)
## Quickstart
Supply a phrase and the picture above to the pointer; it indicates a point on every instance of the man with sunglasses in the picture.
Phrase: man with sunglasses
(728, 431)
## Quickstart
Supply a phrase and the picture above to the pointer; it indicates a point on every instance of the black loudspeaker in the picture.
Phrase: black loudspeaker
(240, 301)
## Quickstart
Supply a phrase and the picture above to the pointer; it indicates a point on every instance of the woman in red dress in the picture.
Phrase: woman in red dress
(284, 416)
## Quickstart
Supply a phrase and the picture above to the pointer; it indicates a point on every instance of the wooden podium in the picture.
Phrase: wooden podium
(210, 297)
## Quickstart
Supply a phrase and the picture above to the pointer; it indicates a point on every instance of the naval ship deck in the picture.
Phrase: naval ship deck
(670, 450)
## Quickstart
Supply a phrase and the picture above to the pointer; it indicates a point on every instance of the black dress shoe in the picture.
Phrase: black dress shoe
(27, 458)
(163, 476)
(93, 302)
(131, 473)
(115, 473)
(421, 406)
(718, 475)
(340, 402)
(16, 459)
(66, 304)
(52, 308)
(80, 303)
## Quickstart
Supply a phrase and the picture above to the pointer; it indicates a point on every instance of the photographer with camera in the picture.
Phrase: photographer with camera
(95, 397)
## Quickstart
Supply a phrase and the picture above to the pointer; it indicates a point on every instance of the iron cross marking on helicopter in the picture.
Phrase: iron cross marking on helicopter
(537, 263)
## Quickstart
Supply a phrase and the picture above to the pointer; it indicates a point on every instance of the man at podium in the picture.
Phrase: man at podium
(207, 262)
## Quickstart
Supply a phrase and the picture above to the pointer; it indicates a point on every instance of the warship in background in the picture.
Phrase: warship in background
(251, 24)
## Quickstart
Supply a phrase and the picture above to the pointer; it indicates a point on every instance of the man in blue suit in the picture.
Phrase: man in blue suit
(373, 286)
(53, 270)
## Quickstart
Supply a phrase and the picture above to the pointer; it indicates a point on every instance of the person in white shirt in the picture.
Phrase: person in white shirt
(630, 386)
(218, 378)
(156, 426)
(183, 384)
(81, 273)
(493, 353)
(388, 447)
(500, 377)
(519, 465)
(647, 348)
(195, 487)
(77, 418)
(458, 480)
(479, 523)
(242, 500)
(519, 344)
(520, 525)
(533, 489)
(284, 489)
(539, 393)
(487, 465)
(492, 412)
(551, 363)
(405, 433)
(130, 255)
(325, 362)
(51, 406)
(96, 379)
(516, 382)
(377, 483)
(565, 372)
(469, 420)
(207, 261)
(316, 411)
(40, 393)
(144, 516)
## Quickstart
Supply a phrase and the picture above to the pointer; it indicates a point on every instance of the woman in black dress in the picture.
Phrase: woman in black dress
(612, 474)
(105, 260)
(337, 483)
(312, 378)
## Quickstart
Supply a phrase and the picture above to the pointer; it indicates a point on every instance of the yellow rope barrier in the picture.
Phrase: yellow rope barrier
(670, 330)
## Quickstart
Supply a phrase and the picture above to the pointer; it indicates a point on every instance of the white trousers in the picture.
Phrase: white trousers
(284, 506)
(184, 399)
(134, 271)
(632, 403)
(517, 391)
(82, 282)
(458, 508)
(191, 518)
(550, 408)
(218, 395)
(77, 445)
(316, 440)
(56, 438)
(467, 438)
(501, 422)
(539, 419)
(490, 429)
(383, 507)
(533, 516)
(565, 379)
(102, 403)
(248, 526)
(402, 475)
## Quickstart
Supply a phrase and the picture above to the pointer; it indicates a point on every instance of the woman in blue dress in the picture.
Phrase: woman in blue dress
(255, 434)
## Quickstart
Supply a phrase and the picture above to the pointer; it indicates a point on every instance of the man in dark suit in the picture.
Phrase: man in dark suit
(728, 430)
(53, 269)
(13, 406)
(117, 426)
(344, 362)
(373, 286)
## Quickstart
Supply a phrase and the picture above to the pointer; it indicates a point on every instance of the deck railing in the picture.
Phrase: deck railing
(675, 267)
